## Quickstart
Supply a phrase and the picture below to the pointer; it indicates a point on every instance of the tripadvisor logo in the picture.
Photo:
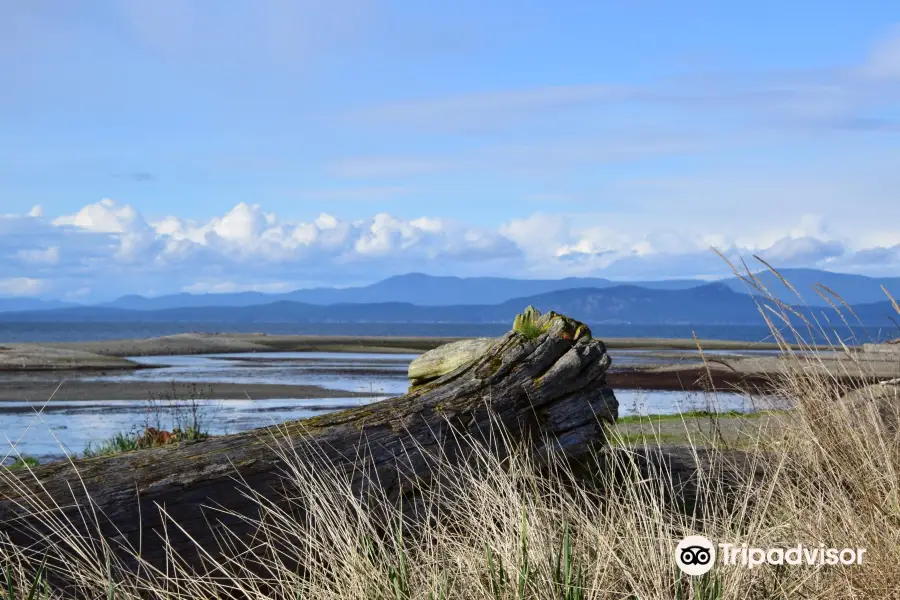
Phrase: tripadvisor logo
(696, 555)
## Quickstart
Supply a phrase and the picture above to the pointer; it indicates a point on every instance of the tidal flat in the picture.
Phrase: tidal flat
(71, 393)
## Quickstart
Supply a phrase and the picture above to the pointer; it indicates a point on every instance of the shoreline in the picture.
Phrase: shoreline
(38, 387)
(39, 390)
(33, 372)
(107, 354)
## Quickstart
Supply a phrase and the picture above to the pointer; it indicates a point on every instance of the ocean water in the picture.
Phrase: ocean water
(73, 332)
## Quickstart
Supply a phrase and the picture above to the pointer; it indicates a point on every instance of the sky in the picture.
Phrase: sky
(227, 145)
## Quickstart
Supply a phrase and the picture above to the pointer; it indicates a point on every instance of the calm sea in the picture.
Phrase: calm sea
(74, 332)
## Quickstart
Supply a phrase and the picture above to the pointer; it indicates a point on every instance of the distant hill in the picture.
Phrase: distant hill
(710, 304)
(854, 289)
(429, 290)
(413, 288)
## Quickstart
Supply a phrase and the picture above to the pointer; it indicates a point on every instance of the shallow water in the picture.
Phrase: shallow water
(48, 431)
(64, 426)
(68, 426)
(374, 373)
(655, 402)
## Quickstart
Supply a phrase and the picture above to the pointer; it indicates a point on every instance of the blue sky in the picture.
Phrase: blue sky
(200, 145)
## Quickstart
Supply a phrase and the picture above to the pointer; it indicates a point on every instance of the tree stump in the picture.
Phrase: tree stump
(545, 385)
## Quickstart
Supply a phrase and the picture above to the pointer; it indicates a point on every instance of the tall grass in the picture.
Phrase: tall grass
(185, 410)
(519, 528)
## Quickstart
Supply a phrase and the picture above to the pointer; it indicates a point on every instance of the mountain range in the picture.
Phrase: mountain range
(707, 304)
(428, 290)
(414, 288)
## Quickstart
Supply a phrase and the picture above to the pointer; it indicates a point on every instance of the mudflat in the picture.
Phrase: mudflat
(35, 371)
(224, 343)
(40, 357)
(64, 385)
(74, 355)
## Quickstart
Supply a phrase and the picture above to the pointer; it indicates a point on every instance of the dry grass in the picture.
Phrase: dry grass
(510, 528)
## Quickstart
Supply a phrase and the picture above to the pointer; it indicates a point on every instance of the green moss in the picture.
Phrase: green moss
(494, 365)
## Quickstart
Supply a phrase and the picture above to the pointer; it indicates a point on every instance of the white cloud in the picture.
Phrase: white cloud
(135, 237)
(21, 286)
(108, 249)
(105, 216)
(800, 251)
(539, 234)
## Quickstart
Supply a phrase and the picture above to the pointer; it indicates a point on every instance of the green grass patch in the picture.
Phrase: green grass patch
(23, 462)
(184, 408)
(121, 442)
(635, 439)
(695, 414)
(530, 331)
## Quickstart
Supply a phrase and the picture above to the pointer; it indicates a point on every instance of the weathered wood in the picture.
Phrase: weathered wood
(447, 358)
(550, 387)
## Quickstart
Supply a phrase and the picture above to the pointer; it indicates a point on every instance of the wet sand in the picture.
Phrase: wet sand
(64, 353)
(228, 343)
(38, 357)
(735, 374)
(72, 385)
(33, 389)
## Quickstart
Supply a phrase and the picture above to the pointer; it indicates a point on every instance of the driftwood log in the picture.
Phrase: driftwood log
(544, 382)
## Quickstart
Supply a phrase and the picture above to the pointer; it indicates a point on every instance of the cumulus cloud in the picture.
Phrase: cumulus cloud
(109, 245)
(104, 217)
(877, 260)
(802, 251)
(108, 248)
(135, 237)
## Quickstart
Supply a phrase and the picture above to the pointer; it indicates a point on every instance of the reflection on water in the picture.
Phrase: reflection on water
(376, 373)
(655, 402)
(67, 426)
(63, 427)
